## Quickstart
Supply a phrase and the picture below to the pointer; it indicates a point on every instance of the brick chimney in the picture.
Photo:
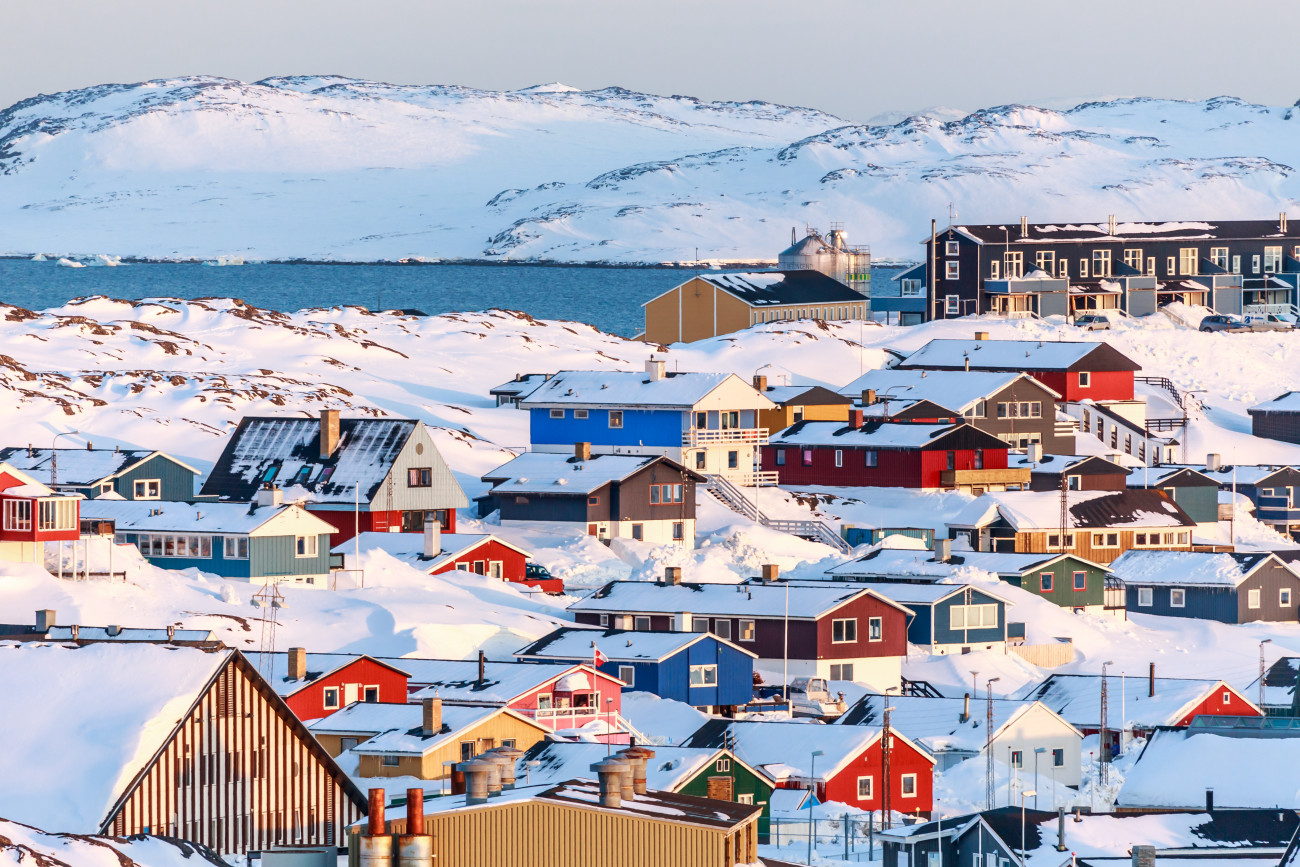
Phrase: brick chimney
(297, 663)
(582, 451)
(868, 396)
(329, 432)
(855, 419)
(760, 383)
(432, 721)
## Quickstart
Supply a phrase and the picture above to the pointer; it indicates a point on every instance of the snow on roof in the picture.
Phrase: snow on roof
(1176, 768)
(457, 680)
(409, 547)
(174, 517)
(1077, 698)
(873, 434)
(1153, 477)
(1041, 510)
(1289, 402)
(915, 594)
(766, 745)
(1177, 568)
(619, 645)
(80, 722)
(602, 388)
(368, 718)
(1055, 463)
(815, 395)
(558, 761)
(546, 473)
(275, 668)
(78, 466)
(920, 563)
(520, 385)
(774, 288)
(936, 722)
(952, 389)
(1243, 474)
(405, 738)
(1013, 355)
(744, 600)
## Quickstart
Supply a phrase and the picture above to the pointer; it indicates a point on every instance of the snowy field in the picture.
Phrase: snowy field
(329, 168)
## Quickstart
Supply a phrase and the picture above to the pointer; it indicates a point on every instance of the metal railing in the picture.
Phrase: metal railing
(710, 436)
(736, 500)
(751, 478)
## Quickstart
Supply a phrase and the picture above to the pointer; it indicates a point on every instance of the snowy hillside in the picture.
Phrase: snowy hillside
(333, 168)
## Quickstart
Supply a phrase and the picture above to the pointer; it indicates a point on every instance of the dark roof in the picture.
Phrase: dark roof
(659, 806)
(759, 289)
(1040, 233)
(814, 396)
(523, 382)
(1123, 507)
(714, 733)
(77, 467)
(893, 435)
(1094, 465)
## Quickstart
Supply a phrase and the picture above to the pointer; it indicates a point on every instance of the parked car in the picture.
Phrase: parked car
(810, 696)
(1269, 323)
(1093, 322)
(1221, 322)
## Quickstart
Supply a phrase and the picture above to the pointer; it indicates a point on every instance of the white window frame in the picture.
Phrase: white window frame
(993, 269)
(306, 546)
(1227, 697)
(745, 798)
(747, 631)
(1253, 600)
(952, 304)
(557, 413)
(641, 622)
(627, 674)
(723, 766)
(839, 458)
(1085, 379)
(951, 248)
(1188, 261)
(140, 489)
(1272, 260)
(871, 788)
(875, 629)
(705, 672)
(231, 547)
(1146, 597)
(952, 270)
(845, 626)
(1177, 597)
(18, 515)
(910, 288)
(1284, 596)
(581, 414)
(325, 697)
(903, 785)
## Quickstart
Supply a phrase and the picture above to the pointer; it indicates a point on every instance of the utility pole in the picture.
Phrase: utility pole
(931, 301)
(988, 743)
(1103, 739)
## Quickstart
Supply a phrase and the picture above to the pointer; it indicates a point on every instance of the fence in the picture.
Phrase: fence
(1044, 655)
(845, 838)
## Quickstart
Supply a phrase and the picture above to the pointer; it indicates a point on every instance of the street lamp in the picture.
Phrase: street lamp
(1033, 792)
(812, 814)
(1037, 752)
(884, 396)
(54, 456)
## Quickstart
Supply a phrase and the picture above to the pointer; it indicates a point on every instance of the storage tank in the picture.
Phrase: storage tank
(832, 255)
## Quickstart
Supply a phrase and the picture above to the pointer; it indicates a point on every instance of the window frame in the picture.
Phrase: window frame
(557, 413)
(875, 629)
(627, 674)
(615, 419)
(1076, 582)
(1146, 597)
(325, 697)
(704, 670)
(419, 477)
(146, 483)
(844, 626)
(1085, 379)
(747, 628)
(1177, 597)
(305, 547)
(951, 248)
(871, 787)
(906, 781)
(638, 620)
(1046, 582)
(1253, 599)
(1284, 597)
(872, 458)
(581, 414)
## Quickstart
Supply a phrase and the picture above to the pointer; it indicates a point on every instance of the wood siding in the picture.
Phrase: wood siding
(1036, 543)
(308, 703)
(1283, 426)
(903, 759)
(175, 481)
(239, 773)
(486, 735)
(514, 564)
(896, 468)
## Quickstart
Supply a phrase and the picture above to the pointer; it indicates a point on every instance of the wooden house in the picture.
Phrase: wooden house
(695, 668)
(891, 454)
(265, 542)
(1230, 588)
(711, 304)
(1048, 472)
(1246, 770)
(796, 403)
(1193, 491)
(954, 730)
(510, 393)
(1276, 419)
(838, 633)
(1273, 490)
(139, 738)
(850, 769)
(645, 499)
(1073, 370)
(133, 474)
(359, 474)
(1099, 525)
(315, 685)
(32, 515)
(439, 553)
(1122, 428)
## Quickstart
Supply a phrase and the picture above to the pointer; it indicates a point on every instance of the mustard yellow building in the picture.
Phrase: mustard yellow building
(712, 304)
(796, 403)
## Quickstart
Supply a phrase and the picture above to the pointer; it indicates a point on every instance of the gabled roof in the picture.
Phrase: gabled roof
(921, 564)
(879, 434)
(456, 681)
(1077, 698)
(409, 547)
(633, 388)
(1191, 568)
(1018, 356)
(743, 600)
(936, 723)
(406, 738)
(955, 389)
(1061, 464)
(1176, 477)
(367, 719)
(805, 395)
(911, 595)
(669, 770)
(520, 385)
(81, 467)
(778, 288)
(1176, 767)
(1288, 403)
(565, 475)
(1141, 230)
(275, 668)
(1252, 474)
(23, 484)
(164, 516)
(618, 645)
(1028, 511)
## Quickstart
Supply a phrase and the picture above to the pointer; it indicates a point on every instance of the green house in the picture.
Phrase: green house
(700, 771)
(128, 474)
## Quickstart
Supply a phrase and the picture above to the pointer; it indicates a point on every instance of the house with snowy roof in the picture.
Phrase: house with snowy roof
(1240, 587)
(1193, 491)
(839, 633)
(133, 474)
(263, 542)
(695, 668)
(646, 498)
(1012, 406)
(1185, 769)
(509, 393)
(956, 729)
(1122, 428)
(1273, 490)
(850, 768)
(33, 515)
(316, 685)
(359, 474)
(1049, 472)
(891, 454)
(1276, 419)
(1098, 525)
(1280, 681)
(707, 422)
(711, 304)
(796, 403)
(120, 739)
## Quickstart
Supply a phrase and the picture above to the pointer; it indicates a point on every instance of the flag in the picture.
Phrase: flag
(598, 659)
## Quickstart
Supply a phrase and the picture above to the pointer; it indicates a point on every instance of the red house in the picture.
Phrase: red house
(850, 768)
(437, 553)
(1076, 370)
(315, 685)
(891, 454)
(32, 514)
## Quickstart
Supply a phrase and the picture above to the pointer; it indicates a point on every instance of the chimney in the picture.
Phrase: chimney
(511, 756)
(1144, 856)
(1151, 681)
(415, 838)
(268, 495)
(981, 335)
(377, 826)
(1024, 227)
(482, 667)
(432, 536)
(965, 709)
(1034, 452)
(655, 367)
(113, 630)
(855, 419)
(610, 772)
(637, 757)
(760, 383)
(45, 620)
(1060, 829)
(868, 396)
(329, 432)
(582, 451)
(476, 780)
(771, 572)
(672, 575)
(1211, 462)
(966, 362)
(493, 765)
(1209, 800)
(171, 633)
(1110, 225)
(297, 663)
(1281, 222)
(943, 550)
(432, 724)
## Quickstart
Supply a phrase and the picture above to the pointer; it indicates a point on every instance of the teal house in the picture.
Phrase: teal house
(132, 474)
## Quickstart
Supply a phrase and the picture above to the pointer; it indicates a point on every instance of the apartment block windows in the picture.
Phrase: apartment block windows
(1045, 260)
(952, 270)
(1236, 264)
(1063, 269)
(1133, 259)
(1101, 263)
(993, 269)
(1219, 256)
(1254, 264)
(1151, 266)
(1083, 269)
(1014, 264)
(1188, 260)
(1272, 260)
(951, 248)
(1171, 265)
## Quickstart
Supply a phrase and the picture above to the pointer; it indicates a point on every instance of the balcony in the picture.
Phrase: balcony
(751, 478)
(984, 478)
(694, 437)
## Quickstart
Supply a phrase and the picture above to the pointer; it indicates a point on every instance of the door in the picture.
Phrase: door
(721, 789)
(349, 693)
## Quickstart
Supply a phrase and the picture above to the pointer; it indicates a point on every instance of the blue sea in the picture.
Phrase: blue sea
(608, 298)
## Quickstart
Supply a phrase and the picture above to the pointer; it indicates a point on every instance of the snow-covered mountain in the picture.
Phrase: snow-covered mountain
(335, 168)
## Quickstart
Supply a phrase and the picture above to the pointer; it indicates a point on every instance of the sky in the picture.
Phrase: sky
(859, 59)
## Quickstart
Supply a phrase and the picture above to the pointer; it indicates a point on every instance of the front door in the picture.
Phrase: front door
(349, 693)
(721, 789)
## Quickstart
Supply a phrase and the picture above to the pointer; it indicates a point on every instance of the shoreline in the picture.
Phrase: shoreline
(702, 265)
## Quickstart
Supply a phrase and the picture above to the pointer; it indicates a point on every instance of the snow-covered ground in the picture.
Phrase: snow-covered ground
(331, 168)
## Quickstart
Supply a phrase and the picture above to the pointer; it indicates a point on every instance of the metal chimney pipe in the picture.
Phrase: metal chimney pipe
(482, 666)
(610, 770)
(965, 708)
(1060, 829)
(638, 757)
(376, 846)
(377, 826)
(1151, 681)
(476, 780)
(415, 848)
(1209, 800)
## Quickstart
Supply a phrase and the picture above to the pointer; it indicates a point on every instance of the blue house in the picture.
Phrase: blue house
(132, 474)
(1273, 490)
(696, 668)
(707, 422)
(263, 543)
(1231, 588)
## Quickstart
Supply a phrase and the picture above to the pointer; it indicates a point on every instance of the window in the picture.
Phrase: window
(638, 532)
(1145, 597)
(557, 413)
(1058, 758)
(1085, 379)
(952, 460)
(875, 629)
(723, 766)
(615, 418)
(1272, 260)
(1284, 597)
(1054, 540)
(679, 531)
(733, 460)
(508, 742)
(951, 248)
(390, 761)
(1219, 256)
(235, 548)
(993, 269)
(722, 629)
(18, 515)
(1177, 597)
(909, 785)
(331, 697)
(1252, 599)
(305, 546)
(462, 567)
(872, 458)
(627, 674)
(1017, 759)
(593, 500)
(1188, 259)
(952, 303)
(746, 630)
(1133, 259)
(665, 495)
(641, 623)
(866, 786)
(844, 631)
(842, 671)
(419, 477)
(780, 457)
(1045, 582)
(973, 617)
(1015, 264)
(910, 288)
(1236, 264)
(1074, 483)
(977, 410)
(979, 459)
(1105, 540)
(1227, 697)
(56, 514)
(839, 457)
(370, 695)
(147, 489)
(807, 457)
(1254, 264)
(604, 620)
(467, 747)
(1101, 263)
(1128, 444)
(1080, 581)
(1063, 268)
(699, 460)
(746, 798)
(699, 624)
(1083, 269)
(1045, 260)
(704, 675)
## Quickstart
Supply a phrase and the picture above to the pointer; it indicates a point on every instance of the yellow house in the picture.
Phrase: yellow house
(796, 403)
(712, 304)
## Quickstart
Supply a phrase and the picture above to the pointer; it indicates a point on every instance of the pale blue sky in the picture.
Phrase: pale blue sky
(855, 59)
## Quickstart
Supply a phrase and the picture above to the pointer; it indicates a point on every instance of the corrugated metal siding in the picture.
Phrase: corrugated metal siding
(176, 482)
(1201, 503)
(394, 494)
(735, 675)
(273, 556)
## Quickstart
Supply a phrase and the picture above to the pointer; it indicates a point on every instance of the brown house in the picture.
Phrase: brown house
(1277, 419)
(713, 304)
(1072, 472)
(796, 403)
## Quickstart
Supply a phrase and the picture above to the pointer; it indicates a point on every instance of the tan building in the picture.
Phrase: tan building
(712, 304)
(796, 403)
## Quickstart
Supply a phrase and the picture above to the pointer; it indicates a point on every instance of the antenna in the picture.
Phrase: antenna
(988, 743)
(952, 213)
(270, 600)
